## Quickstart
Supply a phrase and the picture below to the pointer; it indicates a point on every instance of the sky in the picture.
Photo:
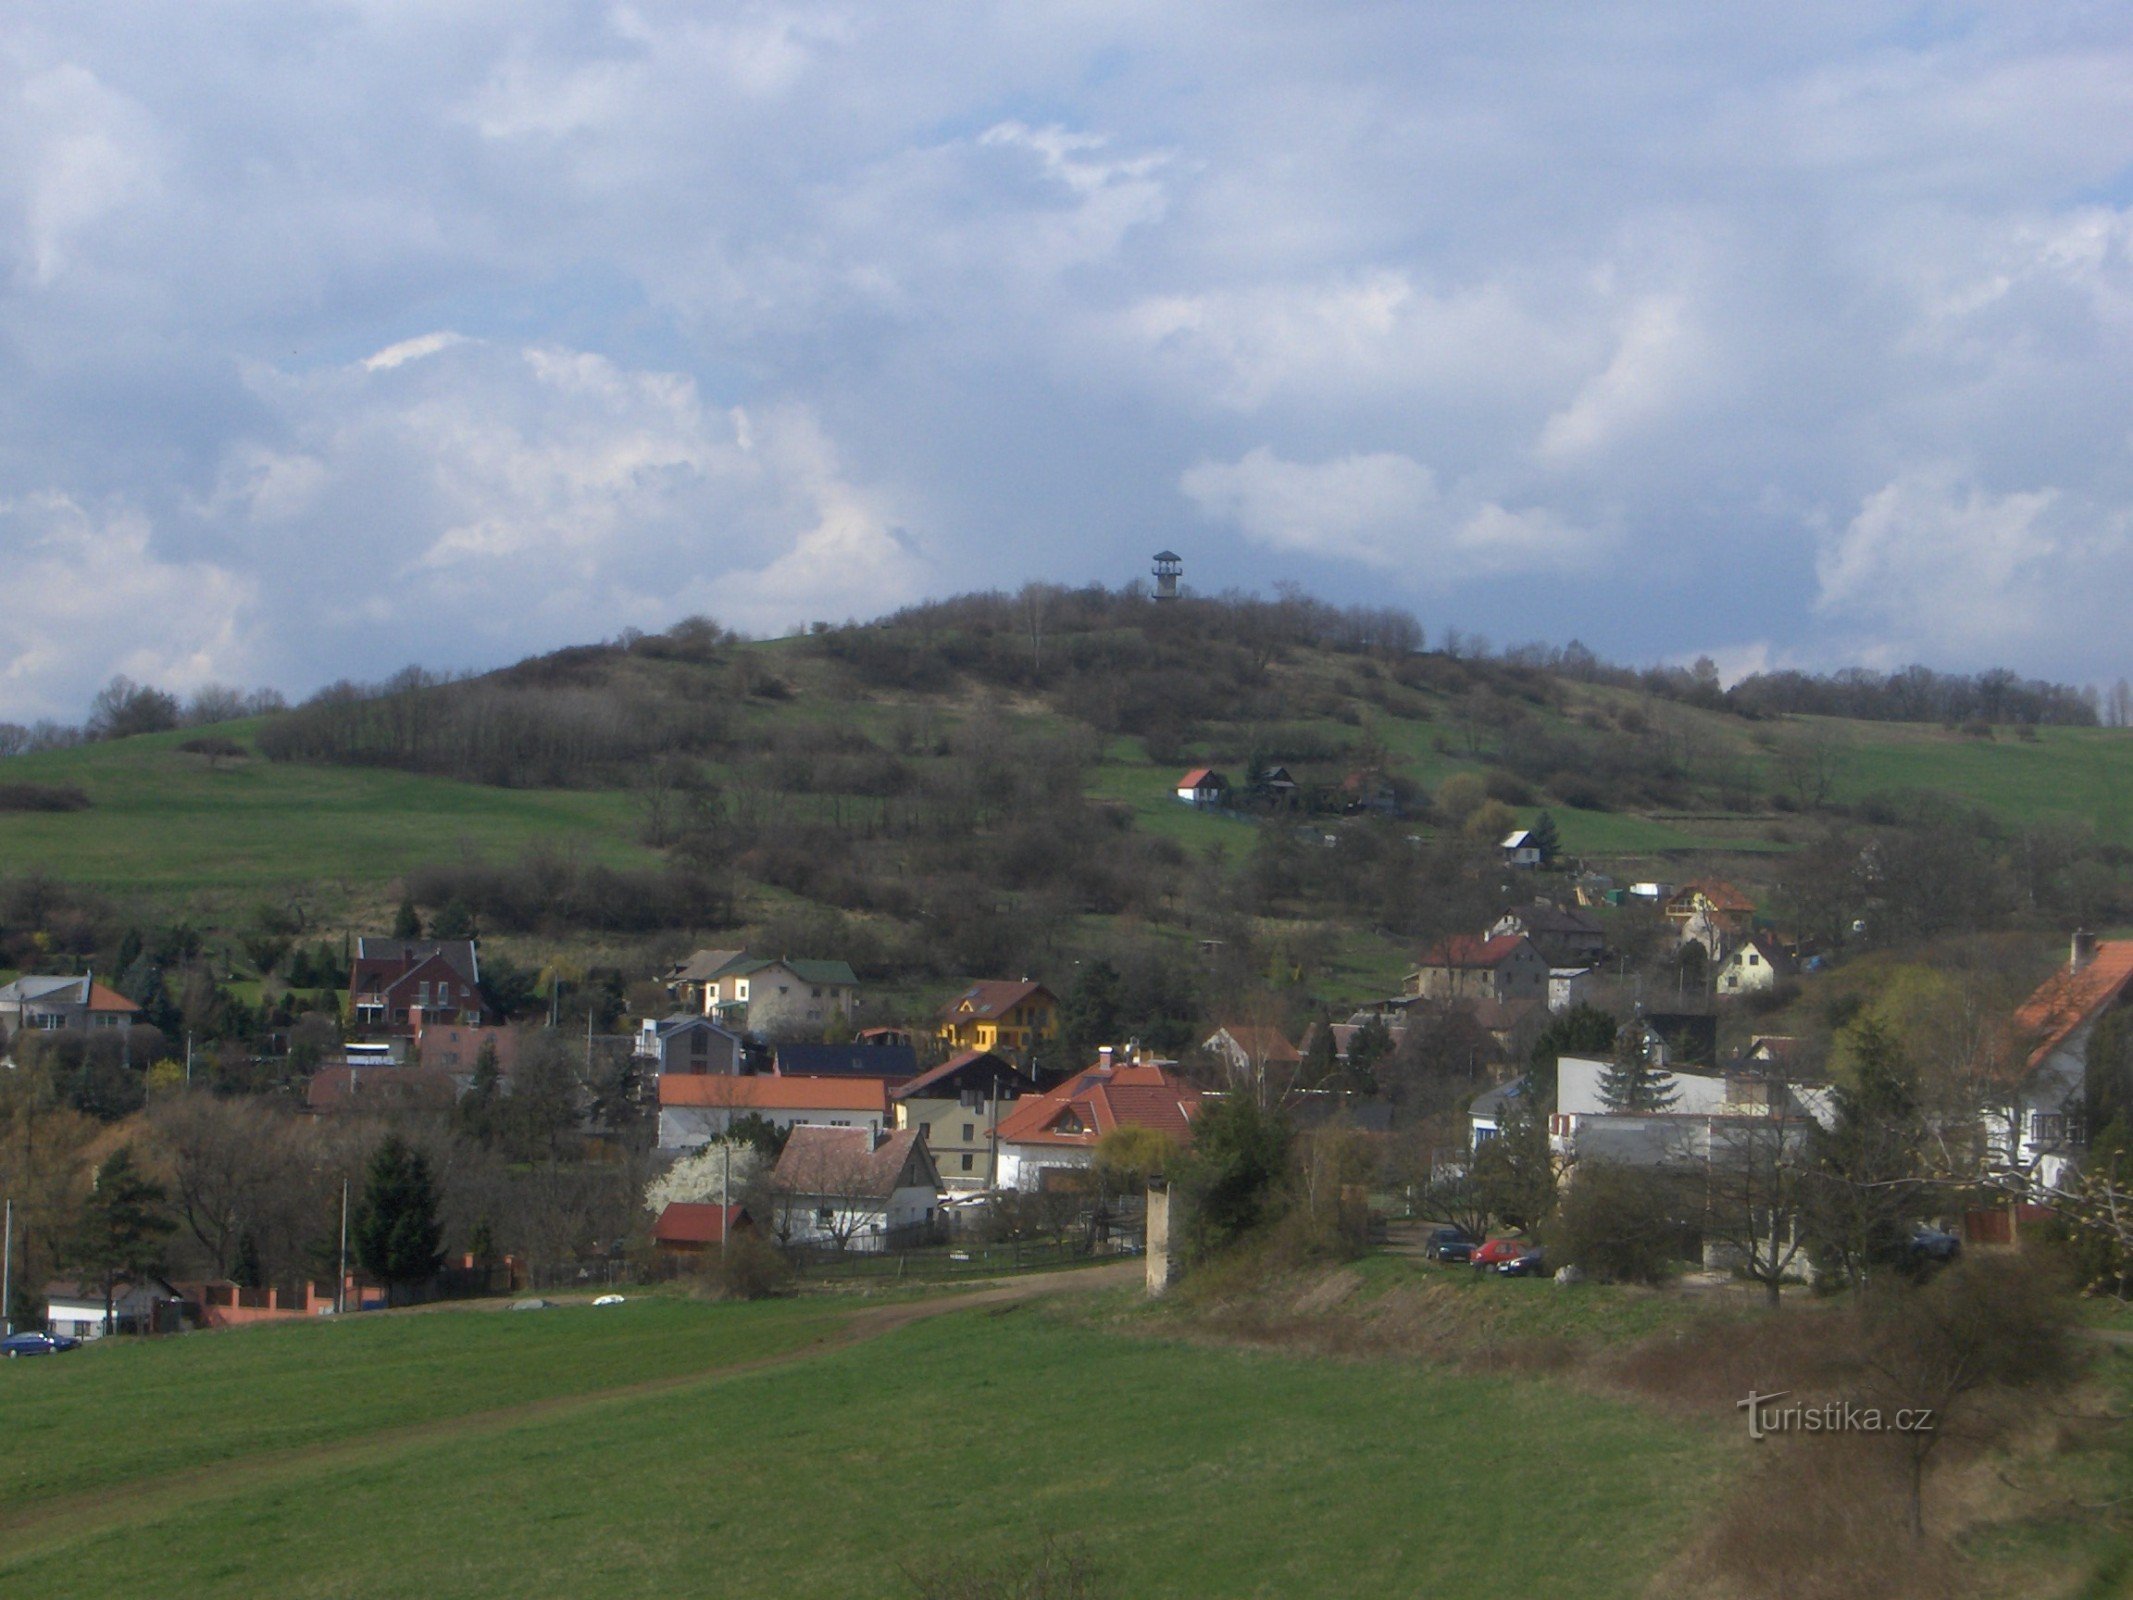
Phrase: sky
(338, 337)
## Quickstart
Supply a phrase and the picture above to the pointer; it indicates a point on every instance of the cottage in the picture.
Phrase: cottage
(1466, 967)
(958, 1107)
(1755, 968)
(764, 996)
(687, 1042)
(693, 1228)
(1567, 936)
(1702, 1121)
(1716, 905)
(1276, 788)
(395, 985)
(2040, 1124)
(999, 1014)
(1203, 787)
(1048, 1140)
(37, 1004)
(1521, 848)
(77, 1307)
(450, 1047)
(856, 1189)
(694, 1110)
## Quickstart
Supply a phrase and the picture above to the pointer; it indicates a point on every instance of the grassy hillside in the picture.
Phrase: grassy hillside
(1187, 1472)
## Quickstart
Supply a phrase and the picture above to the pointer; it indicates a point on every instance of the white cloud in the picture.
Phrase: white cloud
(1381, 510)
(406, 350)
(72, 152)
(1654, 360)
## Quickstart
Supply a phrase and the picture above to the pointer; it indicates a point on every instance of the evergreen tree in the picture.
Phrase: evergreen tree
(407, 921)
(1231, 1173)
(122, 1227)
(454, 921)
(1092, 1012)
(1542, 836)
(1583, 1030)
(1320, 1062)
(481, 1112)
(395, 1225)
(1514, 1174)
(246, 1272)
(1868, 1164)
(1631, 1084)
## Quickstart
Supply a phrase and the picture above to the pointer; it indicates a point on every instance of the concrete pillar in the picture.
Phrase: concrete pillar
(1162, 1251)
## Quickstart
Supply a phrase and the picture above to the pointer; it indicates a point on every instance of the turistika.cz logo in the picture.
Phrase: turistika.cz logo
(1766, 1416)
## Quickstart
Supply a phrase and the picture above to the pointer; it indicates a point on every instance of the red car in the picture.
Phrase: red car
(1498, 1251)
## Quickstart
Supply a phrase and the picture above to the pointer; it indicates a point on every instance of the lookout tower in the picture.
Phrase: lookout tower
(1168, 569)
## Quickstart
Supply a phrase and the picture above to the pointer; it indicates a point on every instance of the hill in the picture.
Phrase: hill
(988, 783)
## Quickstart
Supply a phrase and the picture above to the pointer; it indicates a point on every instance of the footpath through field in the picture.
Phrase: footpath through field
(39, 1525)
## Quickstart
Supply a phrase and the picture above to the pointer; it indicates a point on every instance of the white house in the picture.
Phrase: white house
(2039, 1126)
(696, 1108)
(1203, 786)
(1704, 1110)
(1570, 987)
(854, 1189)
(1047, 1139)
(1521, 849)
(77, 1308)
(1755, 968)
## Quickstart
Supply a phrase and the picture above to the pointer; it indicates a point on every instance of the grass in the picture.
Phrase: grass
(170, 824)
(1186, 1472)
(115, 1413)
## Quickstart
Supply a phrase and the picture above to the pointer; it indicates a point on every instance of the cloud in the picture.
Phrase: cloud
(1383, 511)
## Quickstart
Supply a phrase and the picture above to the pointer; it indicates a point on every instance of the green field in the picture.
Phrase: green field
(1183, 1471)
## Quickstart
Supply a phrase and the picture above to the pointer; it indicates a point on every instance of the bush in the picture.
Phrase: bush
(749, 1268)
(1619, 1224)
(42, 797)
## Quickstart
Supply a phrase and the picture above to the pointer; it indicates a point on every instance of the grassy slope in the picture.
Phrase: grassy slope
(1190, 1473)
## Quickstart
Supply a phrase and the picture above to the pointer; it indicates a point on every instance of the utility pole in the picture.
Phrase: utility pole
(725, 1195)
(188, 1058)
(340, 1283)
(7, 1279)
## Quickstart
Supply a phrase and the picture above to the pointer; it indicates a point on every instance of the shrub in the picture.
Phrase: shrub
(1619, 1224)
(750, 1267)
(42, 797)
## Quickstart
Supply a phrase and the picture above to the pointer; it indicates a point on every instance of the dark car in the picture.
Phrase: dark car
(1497, 1251)
(1930, 1247)
(35, 1344)
(1533, 1264)
(1449, 1244)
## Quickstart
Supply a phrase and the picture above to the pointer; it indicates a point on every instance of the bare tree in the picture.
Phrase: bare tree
(1756, 1187)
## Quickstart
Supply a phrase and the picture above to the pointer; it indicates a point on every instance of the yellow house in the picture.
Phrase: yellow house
(1000, 1014)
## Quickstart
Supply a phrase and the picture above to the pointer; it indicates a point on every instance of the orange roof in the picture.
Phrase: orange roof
(992, 997)
(2074, 995)
(1472, 950)
(1090, 1104)
(1196, 777)
(1723, 896)
(687, 1222)
(103, 999)
(760, 1093)
(1258, 1041)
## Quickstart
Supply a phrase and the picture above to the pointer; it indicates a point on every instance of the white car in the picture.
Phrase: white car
(609, 1300)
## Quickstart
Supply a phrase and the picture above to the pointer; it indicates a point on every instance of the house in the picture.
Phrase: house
(1754, 968)
(694, 1110)
(1571, 987)
(856, 1189)
(688, 1042)
(2040, 1124)
(999, 1014)
(1467, 967)
(1486, 1115)
(892, 1063)
(1701, 1122)
(1277, 788)
(1680, 1038)
(766, 996)
(1367, 790)
(693, 1228)
(378, 1090)
(75, 1307)
(1522, 848)
(395, 983)
(1567, 936)
(1773, 1054)
(1714, 905)
(1049, 1139)
(1203, 786)
(451, 1047)
(958, 1106)
(1249, 1049)
(37, 1004)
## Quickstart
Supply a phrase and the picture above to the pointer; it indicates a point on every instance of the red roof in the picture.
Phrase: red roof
(2075, 995)
(762, 1093)
(991, 997)
(103, 999)
(1259, 1042)
(691, 1222)
(1473, 950)
(378, 1088)
(1195, 778)
(1723, 896)
(1090, 1104)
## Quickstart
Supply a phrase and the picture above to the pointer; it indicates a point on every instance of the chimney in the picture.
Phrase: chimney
(1103, 1055)
(2084, 950)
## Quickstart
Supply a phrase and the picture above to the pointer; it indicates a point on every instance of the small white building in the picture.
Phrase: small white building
(854, 1189)
(1521, 849)
(2039, 1125)
(76, 1309)
(1570, 987)
(1203, 787)
(1755, 968)
(696, 1108)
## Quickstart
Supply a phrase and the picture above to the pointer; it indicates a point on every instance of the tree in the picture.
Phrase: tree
(1543, 837)
(1631, 1085)
(721, 1172)
(123, 708)
(1583, 1030)
(1128, 1156)
(542, 1107)
(407, 921)
(1867, 1173)
(1091, 1014)
(1756, 1190)
(1514, 1173)
(1619, 1224)
(395, 1228)
(454, 921)
(1231, 1174)
(123, 1225)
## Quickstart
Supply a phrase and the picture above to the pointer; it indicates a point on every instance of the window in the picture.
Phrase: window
(815, 993)
(2046, 1127)
(1754, 960)
(968, 1158)
(825, 1216)
(970, 1131)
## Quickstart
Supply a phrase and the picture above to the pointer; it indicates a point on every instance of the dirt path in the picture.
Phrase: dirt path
(65, 1518)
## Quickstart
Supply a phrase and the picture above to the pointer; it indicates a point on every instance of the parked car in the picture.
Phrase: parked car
(1533, 1264)
(36, 1344)
(1449, 1244)
(1930, 1247)
(1497, 1251)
